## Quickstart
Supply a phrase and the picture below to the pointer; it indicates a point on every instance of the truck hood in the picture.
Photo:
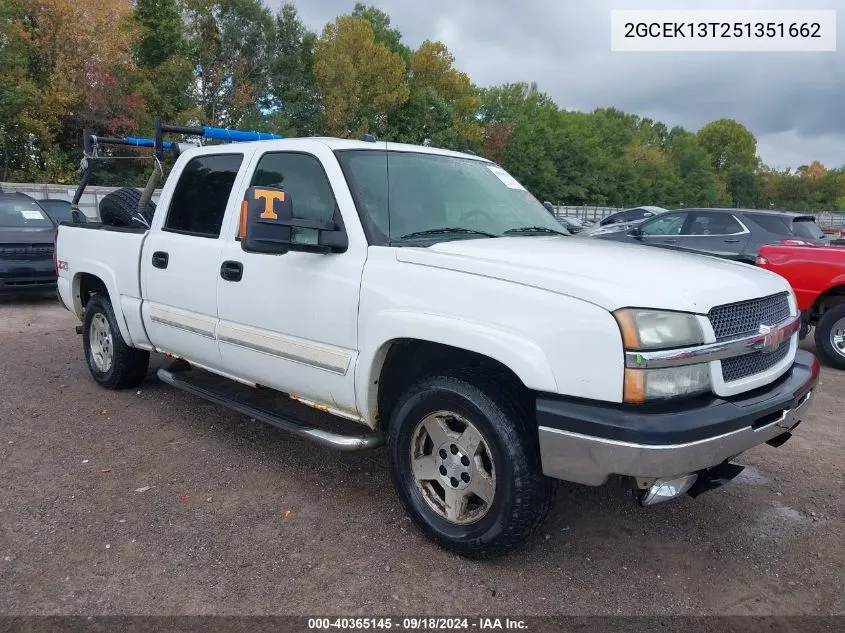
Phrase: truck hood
(609, 274)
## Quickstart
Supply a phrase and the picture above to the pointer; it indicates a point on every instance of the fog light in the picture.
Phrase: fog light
(666, 489)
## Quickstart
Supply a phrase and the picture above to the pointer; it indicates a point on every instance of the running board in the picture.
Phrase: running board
(337, 441)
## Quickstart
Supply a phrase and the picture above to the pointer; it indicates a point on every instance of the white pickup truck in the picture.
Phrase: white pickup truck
(427, 296)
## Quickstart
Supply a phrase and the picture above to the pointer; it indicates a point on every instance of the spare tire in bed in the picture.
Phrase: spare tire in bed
(120, 208)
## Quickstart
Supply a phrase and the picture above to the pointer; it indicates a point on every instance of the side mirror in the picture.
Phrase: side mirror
(635, 232)
(268, 225)
(549, 207)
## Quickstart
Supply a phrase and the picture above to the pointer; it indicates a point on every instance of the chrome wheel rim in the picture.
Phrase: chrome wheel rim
(453, 467)
(100, 343)
(837, 337)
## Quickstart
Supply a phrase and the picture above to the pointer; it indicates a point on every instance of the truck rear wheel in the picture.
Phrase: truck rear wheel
(830, 336)
(465, 462)
(120, 208)
(112, 363)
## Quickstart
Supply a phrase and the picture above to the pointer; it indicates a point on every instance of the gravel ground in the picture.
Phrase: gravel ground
(155, 502)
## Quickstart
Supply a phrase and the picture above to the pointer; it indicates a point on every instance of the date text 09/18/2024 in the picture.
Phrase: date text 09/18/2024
(417, 623)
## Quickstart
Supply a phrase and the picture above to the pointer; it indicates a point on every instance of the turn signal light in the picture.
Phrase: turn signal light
(242, 223)
(634, 391)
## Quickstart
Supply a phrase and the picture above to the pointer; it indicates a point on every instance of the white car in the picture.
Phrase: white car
(427, 296)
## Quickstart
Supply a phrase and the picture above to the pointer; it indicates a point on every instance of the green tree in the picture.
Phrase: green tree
(442, 106)
(698, 178)
(529, 154)
(382, 31)
(167, 76)
(229, 47)
(358, 80)
(729, 144)
(292, 94)
(161, 36)
(743, 186)
(20, 99)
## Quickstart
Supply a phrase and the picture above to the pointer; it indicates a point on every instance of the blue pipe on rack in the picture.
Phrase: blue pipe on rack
(222, 134)
(146, 142)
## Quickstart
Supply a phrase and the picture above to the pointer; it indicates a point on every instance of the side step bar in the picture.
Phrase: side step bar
(337, 441)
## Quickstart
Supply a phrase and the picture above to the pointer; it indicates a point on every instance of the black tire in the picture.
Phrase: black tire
(128, 366)
(120, 208)
(522, 494)
(827, 350)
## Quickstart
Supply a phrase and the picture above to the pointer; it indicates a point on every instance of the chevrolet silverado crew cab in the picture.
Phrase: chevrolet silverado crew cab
(428, 297)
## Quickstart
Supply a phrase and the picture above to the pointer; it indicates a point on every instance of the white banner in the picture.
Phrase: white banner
(720, 31)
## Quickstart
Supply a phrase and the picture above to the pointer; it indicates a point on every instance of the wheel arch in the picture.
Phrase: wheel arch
(382, 369)
(86, 284)
(831, 297)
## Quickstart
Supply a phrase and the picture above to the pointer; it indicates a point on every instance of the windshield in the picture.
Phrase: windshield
(414, 196)
(23, 213)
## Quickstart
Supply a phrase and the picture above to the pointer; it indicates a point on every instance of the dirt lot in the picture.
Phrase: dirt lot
(242, 519)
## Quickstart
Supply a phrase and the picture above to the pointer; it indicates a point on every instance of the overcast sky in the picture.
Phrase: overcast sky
(793, 102)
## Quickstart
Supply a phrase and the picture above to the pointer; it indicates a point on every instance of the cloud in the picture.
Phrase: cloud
(792, 102)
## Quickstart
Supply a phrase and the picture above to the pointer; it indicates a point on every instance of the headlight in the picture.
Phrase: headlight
(656, 329)
(644, 330)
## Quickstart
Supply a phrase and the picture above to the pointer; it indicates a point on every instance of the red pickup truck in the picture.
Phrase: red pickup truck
(817, 275)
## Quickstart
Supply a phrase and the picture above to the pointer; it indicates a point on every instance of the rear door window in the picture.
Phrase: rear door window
(202, 193)
(709, 223)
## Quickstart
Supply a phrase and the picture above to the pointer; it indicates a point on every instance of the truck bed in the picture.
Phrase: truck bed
(85, 248)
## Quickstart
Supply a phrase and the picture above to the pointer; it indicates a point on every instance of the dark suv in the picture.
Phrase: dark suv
(27, 235)
(734, 234)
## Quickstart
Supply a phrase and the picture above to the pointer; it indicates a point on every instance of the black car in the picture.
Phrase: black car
(27, 235)
(62, 211)
(734, 234)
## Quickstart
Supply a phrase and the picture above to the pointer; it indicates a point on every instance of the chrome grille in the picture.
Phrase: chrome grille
(754, 363)
(745, 317)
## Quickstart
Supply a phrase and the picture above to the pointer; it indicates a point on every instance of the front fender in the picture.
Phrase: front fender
(523, 356)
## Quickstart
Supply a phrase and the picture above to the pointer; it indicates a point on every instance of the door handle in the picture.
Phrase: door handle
(232, 271)
(732, 241)
(160, 259)
(670, 241)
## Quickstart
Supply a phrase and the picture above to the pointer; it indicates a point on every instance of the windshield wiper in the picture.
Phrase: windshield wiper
(446, 229)
(535, 229)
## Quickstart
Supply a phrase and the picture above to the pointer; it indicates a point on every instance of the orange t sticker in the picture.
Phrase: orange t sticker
(269, 198)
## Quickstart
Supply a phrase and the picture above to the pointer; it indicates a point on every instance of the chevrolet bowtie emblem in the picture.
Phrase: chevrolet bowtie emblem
(772, 338)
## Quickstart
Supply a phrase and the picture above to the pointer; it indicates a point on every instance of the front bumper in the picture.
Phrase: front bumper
(587, 441)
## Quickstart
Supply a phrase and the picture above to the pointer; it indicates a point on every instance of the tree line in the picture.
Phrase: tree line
(113, 65)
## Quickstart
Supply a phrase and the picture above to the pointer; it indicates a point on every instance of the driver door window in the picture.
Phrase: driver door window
(303, 178)
(669, 224)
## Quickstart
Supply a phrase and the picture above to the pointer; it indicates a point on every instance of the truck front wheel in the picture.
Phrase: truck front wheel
(830, 336)
(465, 462)
(112, 363)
